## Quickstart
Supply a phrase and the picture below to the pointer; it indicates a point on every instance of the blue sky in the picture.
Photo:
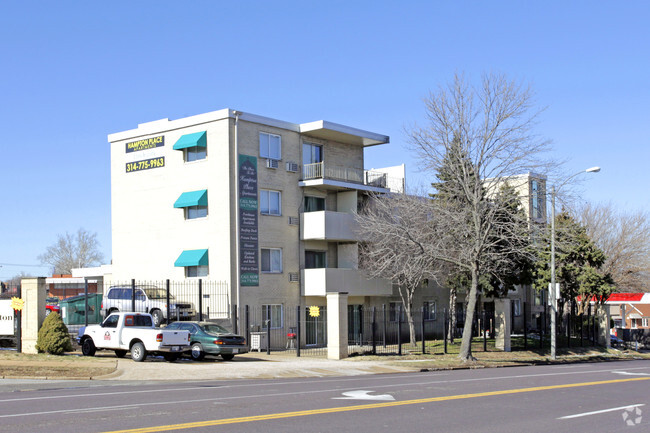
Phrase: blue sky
(73, 72)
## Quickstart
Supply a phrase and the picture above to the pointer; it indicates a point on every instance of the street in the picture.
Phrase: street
(587, 397)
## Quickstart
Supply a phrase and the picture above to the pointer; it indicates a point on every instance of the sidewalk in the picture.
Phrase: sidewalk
(248, 366)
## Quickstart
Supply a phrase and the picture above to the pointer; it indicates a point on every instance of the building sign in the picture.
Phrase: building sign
(145, 164)
(147, 143)
(17, 303)
(314, 311)
(249, 267)
(6, 317)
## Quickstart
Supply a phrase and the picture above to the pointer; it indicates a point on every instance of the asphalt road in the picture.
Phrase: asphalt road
(595, 397)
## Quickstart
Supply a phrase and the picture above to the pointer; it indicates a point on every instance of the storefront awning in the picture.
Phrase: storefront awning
(192, 198)
(192, 258)
(196, 139)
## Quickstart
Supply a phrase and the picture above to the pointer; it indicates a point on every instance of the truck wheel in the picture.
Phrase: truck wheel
(88, 347)
(197, 352)
(227, 357)
(157, 317)
(120, 353)
(138, 352)
(170, 357)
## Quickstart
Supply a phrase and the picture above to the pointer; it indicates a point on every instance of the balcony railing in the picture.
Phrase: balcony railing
(319, 170)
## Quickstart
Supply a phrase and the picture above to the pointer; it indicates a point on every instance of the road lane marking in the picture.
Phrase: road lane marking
(363, 395)
(627, 373)
(281, 415)
(596, 412)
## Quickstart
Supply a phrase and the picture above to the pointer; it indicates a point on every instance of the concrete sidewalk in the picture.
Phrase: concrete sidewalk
(248, 366)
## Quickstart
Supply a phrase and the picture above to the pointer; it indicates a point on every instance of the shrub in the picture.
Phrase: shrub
(53, 336)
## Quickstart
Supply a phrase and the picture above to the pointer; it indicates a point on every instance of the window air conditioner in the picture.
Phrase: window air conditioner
(271, 163)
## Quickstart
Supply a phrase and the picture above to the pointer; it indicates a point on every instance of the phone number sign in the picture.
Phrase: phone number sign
(145, 164)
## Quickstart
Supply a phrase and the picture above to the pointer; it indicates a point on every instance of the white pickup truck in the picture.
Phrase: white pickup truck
(133, 332)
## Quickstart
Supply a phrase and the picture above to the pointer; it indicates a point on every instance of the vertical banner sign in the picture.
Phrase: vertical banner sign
(249, 267)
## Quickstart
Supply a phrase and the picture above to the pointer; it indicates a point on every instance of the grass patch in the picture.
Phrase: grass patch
(69, 365)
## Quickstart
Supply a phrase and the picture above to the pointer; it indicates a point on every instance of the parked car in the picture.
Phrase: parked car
(614, 341)
(133, 332)
(52, 305)
(148, 299)
(209, 338)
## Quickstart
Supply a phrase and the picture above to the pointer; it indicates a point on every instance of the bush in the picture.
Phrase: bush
(53, 336)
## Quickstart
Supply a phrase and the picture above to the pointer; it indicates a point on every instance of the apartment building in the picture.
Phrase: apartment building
(262, 204)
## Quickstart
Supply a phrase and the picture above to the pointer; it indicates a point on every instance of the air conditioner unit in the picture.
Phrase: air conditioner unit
(292, 166)
(272, 163)
(294, 277)
(294, 221)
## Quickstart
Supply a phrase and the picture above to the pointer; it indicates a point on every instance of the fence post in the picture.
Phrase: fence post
(374, 326)
(248, 325)
(235, 318)
(424, 350)
(589, 323)
(268, 330)
(200, 299)
(298, 331)
(525, 327)
(86, 301)
(568, 332)
(484, 333)
(542, 329)
(133, 295)
(383, 306)
(399, 330)
(168, 306)
(445, 325)
(19, 317)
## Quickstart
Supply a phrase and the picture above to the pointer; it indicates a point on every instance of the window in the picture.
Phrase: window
(315, 259)
(272, 260)
(312, 153)
(270, 146)
(193, 212)
(516, 307)
(537, 205)
(195, 153)
(111, 321)
(392, 312)
(196, 271)
(314, 204)
(270, 202)
(272, 312)
(644, 322)
(429, 310)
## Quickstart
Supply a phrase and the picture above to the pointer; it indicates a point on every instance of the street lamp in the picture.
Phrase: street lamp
(552, 290)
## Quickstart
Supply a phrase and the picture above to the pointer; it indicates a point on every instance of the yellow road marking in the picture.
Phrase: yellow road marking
(271, 416)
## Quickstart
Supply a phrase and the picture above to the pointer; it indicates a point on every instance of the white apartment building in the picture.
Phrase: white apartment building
(262, 204)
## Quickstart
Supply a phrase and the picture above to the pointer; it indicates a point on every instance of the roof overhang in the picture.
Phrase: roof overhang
(342, 134)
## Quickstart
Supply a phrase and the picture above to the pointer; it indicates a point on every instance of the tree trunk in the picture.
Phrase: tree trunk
(452, 314)
(466, 344)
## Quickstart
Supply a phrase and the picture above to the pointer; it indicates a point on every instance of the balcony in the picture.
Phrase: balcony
(321, 281)
(328, 226)
(334, 177)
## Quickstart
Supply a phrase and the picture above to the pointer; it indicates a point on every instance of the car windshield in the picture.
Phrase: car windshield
(214, 329)
(156, 293)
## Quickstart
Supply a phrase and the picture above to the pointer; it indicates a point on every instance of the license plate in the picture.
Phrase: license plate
(235, 351)
(175, 348)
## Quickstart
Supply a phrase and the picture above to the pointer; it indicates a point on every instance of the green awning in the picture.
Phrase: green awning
(197, 139)
(192, 198)
(192, 258)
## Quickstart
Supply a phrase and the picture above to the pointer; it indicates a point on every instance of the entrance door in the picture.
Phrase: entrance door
(315, 327)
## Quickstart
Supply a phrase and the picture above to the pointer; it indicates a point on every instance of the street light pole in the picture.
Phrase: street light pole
(552, 290)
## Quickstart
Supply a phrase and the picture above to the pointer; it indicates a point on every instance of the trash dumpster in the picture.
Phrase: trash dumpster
(72, 309)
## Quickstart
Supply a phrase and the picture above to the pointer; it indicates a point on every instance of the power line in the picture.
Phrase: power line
(15, 264)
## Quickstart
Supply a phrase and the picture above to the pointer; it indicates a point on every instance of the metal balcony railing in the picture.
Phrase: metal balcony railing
(319, 170)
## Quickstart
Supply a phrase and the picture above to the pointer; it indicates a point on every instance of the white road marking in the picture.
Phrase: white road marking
(627, 373)
(364, 395)
(596, 412)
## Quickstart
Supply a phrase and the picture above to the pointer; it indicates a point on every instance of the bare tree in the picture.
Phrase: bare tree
(624, 237)
(392, 228)
(489, 131)
(72, 251)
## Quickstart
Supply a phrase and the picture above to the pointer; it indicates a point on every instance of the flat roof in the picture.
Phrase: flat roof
(319, 129)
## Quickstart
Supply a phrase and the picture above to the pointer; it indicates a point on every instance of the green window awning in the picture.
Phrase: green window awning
(192, 258)
(192, 198)
(196, 139)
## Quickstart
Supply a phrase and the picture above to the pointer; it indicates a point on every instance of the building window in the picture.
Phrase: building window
(315, 259)
(193, 212)
(516, 307)
(195, 153)
(312, 153)
(644, 322)
(270, 146)
(429, 310)
(196, 271)
(537, 205)
(272, 260)
(272, 312)
(392, 312)
(314, 204)
(270, 202)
